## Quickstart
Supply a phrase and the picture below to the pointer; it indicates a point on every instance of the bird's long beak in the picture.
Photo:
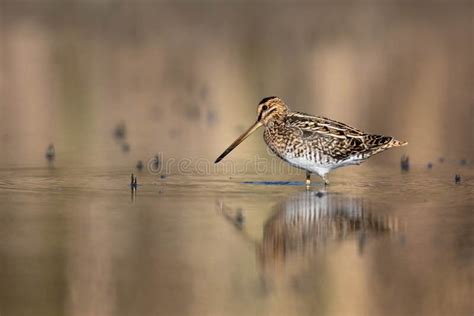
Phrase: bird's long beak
(252, 129)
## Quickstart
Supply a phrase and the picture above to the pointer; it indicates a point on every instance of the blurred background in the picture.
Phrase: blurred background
(113, 82)
(186, 77)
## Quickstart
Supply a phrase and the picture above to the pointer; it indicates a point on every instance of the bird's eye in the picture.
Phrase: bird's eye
(264, 108)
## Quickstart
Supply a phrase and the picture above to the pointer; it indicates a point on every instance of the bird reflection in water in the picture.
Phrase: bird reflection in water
(307, 221)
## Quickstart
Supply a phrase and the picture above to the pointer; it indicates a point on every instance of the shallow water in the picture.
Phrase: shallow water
(376, 241)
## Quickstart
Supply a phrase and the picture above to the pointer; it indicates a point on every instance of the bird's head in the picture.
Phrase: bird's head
(269, 110)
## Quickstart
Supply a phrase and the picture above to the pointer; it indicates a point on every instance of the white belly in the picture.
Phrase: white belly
(320, 169)
(309, 165)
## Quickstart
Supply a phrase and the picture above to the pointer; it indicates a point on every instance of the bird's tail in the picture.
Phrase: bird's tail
(382, 142)
(397, 143)
(377, 143)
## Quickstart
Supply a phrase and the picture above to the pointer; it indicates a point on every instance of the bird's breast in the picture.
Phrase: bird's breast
(289, 145)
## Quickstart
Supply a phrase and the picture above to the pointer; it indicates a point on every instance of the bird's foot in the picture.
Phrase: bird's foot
(326, 180)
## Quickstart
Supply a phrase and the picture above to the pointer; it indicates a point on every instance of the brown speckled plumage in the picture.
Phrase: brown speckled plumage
(313, 143)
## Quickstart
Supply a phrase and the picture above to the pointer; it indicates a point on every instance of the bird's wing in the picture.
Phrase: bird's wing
(332, 137)
(317, 126)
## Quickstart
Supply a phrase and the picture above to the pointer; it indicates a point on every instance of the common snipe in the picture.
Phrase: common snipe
(313, 143)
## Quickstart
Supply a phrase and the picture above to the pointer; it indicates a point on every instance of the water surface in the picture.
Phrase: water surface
(376, 241)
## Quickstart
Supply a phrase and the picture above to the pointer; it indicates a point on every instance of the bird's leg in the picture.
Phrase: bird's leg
(308, 178)
(325, 178)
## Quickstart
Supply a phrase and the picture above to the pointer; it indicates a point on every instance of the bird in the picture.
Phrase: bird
(315, 144)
